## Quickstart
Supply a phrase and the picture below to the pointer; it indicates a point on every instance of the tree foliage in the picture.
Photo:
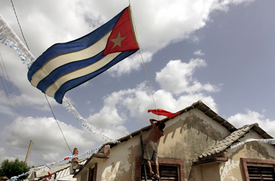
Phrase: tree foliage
(13, 168)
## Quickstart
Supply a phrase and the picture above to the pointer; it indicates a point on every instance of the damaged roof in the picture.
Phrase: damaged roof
(225, 143)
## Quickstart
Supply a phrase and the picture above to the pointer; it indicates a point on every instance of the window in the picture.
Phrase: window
(167, 172)
(258, 169)
(170, 170)
(260, 172)
(92, 173)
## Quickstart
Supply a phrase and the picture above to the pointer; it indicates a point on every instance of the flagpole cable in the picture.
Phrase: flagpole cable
(134, 26)
(45, 95)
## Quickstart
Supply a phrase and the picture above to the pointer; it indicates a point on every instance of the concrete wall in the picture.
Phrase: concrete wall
(121, 164)
(186, 137)
(232, 170)
(206, 172)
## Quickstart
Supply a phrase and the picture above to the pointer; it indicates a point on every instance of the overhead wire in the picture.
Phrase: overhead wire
(7, 86)
(10, 95)
(21, 30)
(39, 150)
(46, 97)
(58, 124)
(19, 24)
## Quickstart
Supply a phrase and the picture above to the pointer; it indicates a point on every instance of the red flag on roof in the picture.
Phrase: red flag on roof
(163, 112)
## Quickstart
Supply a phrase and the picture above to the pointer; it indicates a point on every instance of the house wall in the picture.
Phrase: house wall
(84, 177)
(232, 170)
(206, 172)
(186, 137)
(121, 163)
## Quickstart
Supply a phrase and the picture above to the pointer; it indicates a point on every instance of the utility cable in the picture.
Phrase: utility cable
(58, 124)
(19, 25)
(45, 95)
(9, 91)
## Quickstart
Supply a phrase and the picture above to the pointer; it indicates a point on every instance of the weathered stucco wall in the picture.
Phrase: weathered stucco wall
(187, 136)
(231, 170)
(206, 172)
(121, 164)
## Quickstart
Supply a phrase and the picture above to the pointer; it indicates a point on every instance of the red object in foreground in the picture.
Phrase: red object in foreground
(49, 175)
(66, 158)
(163, 112)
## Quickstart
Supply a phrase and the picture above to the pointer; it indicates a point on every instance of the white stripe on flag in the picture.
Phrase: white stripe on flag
(50, 91)
(61, 60)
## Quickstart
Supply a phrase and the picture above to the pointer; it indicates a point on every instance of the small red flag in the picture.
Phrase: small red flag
(49, 175)
(163, 112)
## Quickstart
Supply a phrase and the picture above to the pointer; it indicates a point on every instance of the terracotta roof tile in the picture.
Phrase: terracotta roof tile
(223, 144)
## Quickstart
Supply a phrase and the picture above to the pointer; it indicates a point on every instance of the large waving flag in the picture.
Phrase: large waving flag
(64, 66)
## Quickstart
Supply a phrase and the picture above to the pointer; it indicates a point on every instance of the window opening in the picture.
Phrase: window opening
(167, 172)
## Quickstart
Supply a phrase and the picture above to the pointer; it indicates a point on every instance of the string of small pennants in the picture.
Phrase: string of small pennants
(49, 165)
(9, 38)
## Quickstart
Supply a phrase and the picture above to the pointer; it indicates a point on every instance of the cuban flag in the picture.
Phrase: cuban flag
(64, 66)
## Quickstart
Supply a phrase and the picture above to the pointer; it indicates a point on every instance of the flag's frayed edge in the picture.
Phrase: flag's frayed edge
(9, 37)
(269, 141)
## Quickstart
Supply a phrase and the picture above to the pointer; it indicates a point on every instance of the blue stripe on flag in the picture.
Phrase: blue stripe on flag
(73, 46)
(63, 70)
(75, 82)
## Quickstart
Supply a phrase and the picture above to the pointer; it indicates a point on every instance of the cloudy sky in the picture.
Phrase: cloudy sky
(217, 51)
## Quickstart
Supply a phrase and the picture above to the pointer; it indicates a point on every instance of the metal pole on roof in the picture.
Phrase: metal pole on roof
(27, 156)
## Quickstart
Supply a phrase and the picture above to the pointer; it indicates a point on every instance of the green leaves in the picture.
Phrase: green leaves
(13, 168)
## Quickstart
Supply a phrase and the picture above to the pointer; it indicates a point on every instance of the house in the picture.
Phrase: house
(61, 172)
(196, 147)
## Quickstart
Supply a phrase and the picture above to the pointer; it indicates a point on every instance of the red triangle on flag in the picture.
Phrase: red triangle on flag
(122, 37)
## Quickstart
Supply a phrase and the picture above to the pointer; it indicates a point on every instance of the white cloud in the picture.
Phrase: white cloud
(4, 155)
(19, 87)
(158, 24)
(251, 117)
(129, 64)
(46, 135)
(177, 77)
(199, 53)
(223, 5)
(4, 104)
(138, 100)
